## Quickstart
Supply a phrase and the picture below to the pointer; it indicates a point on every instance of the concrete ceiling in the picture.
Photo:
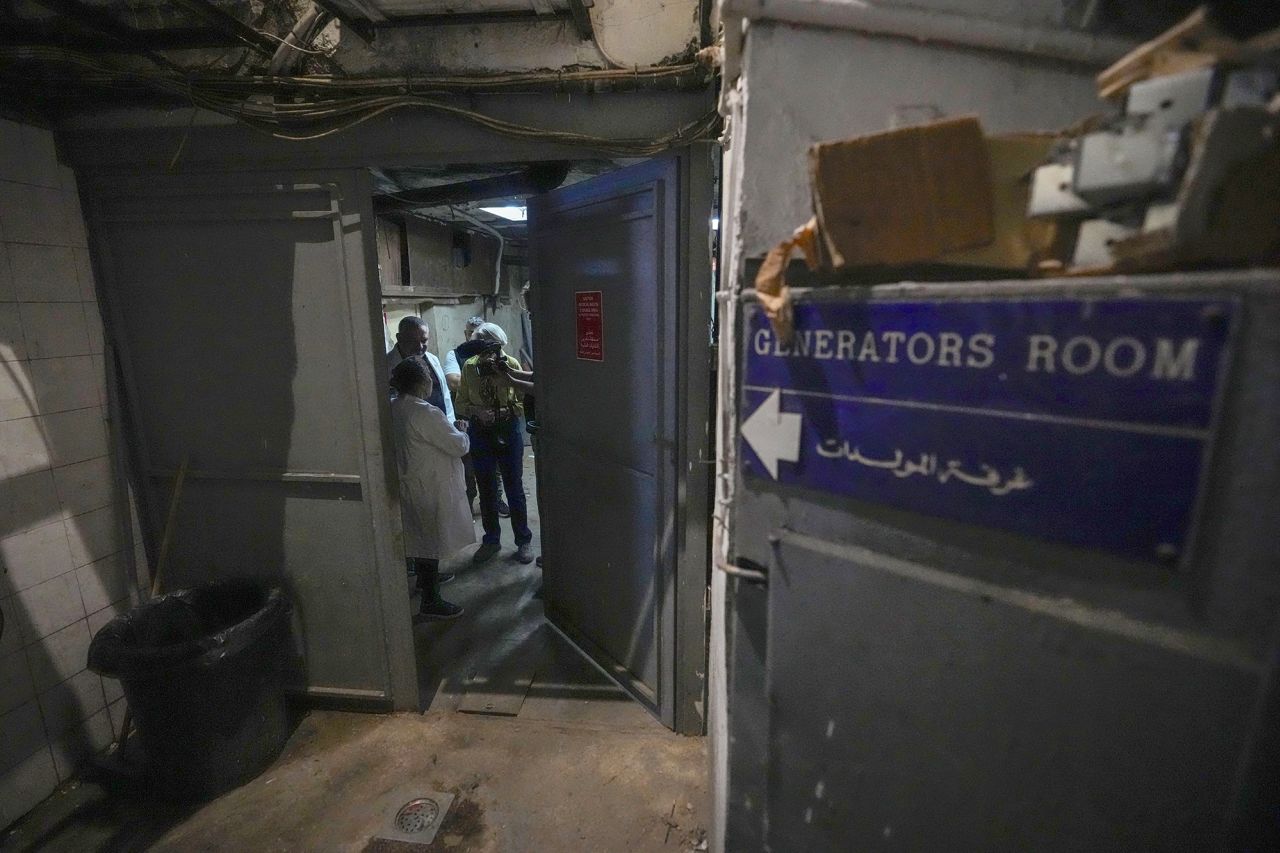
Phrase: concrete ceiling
(418, 177)
(395, 181)
(55, 51)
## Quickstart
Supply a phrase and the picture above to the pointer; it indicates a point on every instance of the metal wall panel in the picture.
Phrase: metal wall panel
(940, 717)
(802, 84)
(242, 309)
(933, 685)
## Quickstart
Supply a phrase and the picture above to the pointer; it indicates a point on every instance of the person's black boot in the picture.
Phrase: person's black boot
(439, 609)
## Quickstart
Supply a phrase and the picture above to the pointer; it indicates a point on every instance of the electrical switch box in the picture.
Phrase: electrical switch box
(1051, 192)
(1169, 102)
(1126, 164)
(1094, 242)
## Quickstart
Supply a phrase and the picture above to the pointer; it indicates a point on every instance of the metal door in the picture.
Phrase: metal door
(621, 296)
(243, 309)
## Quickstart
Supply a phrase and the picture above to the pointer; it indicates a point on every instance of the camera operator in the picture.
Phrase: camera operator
(453, 361)
(489, 399)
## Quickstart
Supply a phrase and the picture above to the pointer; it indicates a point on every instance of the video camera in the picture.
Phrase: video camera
(490, 360)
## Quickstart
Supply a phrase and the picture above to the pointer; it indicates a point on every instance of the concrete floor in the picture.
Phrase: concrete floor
(578, 767)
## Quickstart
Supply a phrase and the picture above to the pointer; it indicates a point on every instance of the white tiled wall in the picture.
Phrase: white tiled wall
(62, 565)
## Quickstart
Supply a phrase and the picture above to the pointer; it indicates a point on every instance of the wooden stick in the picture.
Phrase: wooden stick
(169, 524)
(1193, 42)
(126, 724)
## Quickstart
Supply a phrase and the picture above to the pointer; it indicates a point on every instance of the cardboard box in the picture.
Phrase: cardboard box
(902, 196)
(1019, 243)
(939, 193)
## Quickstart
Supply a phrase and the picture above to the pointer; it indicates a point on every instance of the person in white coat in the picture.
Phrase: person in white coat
(434, 511)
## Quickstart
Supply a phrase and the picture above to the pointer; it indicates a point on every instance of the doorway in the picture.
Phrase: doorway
(602, 284)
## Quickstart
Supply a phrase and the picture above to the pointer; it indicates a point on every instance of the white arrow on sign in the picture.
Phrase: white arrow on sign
(773, 434)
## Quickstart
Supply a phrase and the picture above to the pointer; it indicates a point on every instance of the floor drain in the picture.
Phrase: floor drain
(417, 816)
(413, 815)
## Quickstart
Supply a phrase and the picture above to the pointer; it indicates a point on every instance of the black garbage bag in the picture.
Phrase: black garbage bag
(203, 673)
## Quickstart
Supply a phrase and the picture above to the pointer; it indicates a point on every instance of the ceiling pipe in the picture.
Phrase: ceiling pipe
(299, 39)
(536, 178)
(502, 245)
(105, 24)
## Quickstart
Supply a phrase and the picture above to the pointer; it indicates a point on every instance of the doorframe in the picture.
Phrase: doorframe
(376, 435)
(684, 479)
(685, 589)
(695, 460)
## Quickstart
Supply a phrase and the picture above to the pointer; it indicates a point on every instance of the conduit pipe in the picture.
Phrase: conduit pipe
(536, 178)
(489, 229)
(298, 39)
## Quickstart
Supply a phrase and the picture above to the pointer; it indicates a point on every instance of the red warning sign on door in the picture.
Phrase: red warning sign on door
(590, 314)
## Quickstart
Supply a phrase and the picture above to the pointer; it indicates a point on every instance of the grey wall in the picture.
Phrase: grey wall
(805, 85)
(801, 85)
(935, 720)
(283, 427)
(64, 552)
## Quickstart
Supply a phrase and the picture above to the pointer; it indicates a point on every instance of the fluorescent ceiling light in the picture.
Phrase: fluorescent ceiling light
(515, 214)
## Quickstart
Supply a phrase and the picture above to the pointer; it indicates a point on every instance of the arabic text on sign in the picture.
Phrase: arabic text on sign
(1078, 420)
(589, 307)
(926, 464)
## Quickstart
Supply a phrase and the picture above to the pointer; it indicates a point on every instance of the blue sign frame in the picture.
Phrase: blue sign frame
(1083, 421)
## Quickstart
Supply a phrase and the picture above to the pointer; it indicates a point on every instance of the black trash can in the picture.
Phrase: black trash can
(203, 672)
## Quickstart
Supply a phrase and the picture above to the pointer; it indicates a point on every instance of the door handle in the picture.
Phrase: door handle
(753, 575)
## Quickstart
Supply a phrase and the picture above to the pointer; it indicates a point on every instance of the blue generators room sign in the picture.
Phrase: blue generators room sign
(1085, 421)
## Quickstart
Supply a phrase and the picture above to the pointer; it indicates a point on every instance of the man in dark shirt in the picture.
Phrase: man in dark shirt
(412, 337)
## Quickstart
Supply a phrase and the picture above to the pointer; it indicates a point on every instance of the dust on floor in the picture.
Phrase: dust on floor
(581, 767)
(520, 786)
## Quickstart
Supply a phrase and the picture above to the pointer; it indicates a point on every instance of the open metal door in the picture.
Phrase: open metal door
(242, 309)
(621, 318)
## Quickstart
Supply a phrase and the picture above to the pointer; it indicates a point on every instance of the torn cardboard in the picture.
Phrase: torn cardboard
(771, 281)
(903, 196)
(1018, 243)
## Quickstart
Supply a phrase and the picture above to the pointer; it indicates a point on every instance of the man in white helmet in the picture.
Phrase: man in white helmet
(490, 400)
(453, 361)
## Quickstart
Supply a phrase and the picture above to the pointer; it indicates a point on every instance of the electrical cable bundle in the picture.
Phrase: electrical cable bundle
(327, 105)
